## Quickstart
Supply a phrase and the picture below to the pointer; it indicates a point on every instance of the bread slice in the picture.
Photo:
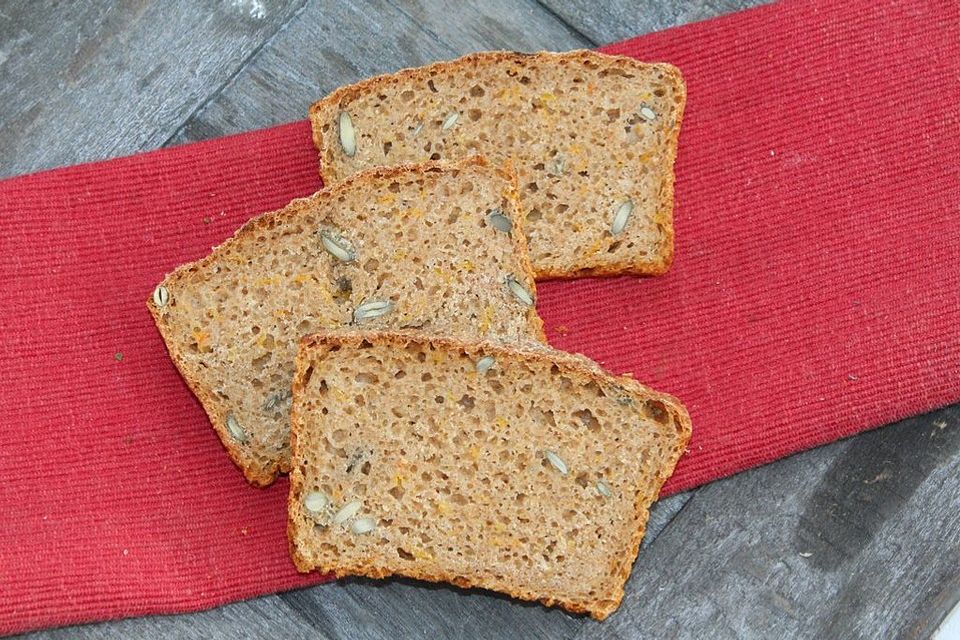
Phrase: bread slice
(413, 246)
(527, 471)
(593, 138)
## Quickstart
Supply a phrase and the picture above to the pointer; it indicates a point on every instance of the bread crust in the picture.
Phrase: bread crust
(598, 609)
(329, 170)
(265, 476)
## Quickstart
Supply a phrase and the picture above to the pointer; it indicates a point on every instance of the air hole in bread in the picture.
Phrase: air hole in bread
(656, 410)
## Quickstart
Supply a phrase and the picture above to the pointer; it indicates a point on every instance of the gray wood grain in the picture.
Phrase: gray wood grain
(265, 617)
(89, 80)
(878, 514)
(605, 22)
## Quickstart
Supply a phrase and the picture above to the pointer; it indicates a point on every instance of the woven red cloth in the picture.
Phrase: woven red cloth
(816, 293)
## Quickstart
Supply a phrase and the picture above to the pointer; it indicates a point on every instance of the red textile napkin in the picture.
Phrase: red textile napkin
(816, 293)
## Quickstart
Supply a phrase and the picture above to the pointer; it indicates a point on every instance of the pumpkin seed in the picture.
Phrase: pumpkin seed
(556, 461)
(348, 137)
(519, 291)
(161, 296)
(603, 489)
(621, 217)
(450, 120)
(484, 364)
(363, 525)
(347, 511)
(372, 309)
(499, 221)
(559, 163)
(316, 502)
(235, 430)
(337, 246)
(274, 400)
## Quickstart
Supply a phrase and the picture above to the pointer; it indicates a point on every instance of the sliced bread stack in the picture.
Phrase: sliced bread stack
(428, 429)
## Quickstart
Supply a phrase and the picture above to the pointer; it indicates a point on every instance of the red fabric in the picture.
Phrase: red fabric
(814, 295)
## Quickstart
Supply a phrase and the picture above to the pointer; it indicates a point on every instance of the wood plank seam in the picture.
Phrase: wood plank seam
(580, 34)
(199, 109)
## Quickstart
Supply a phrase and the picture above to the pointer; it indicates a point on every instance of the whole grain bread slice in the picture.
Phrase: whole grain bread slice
(412, 246)
(523, 470)
(593, 138)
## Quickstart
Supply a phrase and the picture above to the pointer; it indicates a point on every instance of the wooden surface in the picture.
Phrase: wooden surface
(857, 539)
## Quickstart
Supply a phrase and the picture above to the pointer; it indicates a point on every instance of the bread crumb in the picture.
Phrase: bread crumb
(200, 339)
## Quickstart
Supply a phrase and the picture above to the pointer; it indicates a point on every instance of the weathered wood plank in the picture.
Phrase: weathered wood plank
(266, 617)
(89, 80)
(606, 22)
(332, 44)
(369, 610)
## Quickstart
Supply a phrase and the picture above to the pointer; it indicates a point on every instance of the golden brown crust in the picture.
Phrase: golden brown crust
(262, 477)
(573, 363)
(329, 169)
